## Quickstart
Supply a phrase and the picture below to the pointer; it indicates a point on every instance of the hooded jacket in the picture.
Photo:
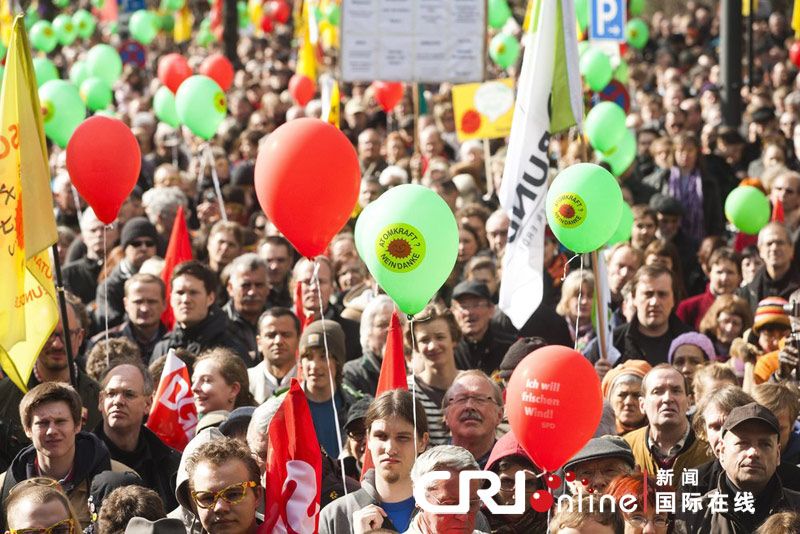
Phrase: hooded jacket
(91, 458)
(213, 331)
(185, 510)
(337, 517)
(508, 448)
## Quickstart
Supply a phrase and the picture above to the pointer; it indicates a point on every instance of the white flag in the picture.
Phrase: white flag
(549, 67)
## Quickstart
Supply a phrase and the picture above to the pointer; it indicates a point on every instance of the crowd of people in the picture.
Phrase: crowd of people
(701, 398)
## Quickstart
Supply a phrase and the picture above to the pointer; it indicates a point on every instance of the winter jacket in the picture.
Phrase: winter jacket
(695, 452)
(184, 511)
(113, 288)
(762, 286)
(487, 353)
(80, 278)
(244, 333)
(91, 458)
(337, 517)
(625, 338)
(692, 310)
(126, 330)
(362, 374)
(211, 332)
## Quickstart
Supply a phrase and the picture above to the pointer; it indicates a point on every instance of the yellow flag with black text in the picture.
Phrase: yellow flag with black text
(28, 311)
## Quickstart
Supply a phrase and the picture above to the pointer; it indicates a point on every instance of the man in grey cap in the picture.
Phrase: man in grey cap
(599, 462)
(484, 343)
(322, 355)
(748, 491)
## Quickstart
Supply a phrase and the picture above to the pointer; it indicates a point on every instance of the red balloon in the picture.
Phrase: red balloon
(554, 404)
(307, 179)
(279, 10)
(794, 53)
(388, 94)
(218, 68)
(103, 160)
(266, 24)
(302, 89)
(172, 70)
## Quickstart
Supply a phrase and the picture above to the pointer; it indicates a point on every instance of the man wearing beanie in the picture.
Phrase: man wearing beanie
(139, 241)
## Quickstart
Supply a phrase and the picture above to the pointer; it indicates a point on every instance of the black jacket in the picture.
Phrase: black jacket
(80, 278)
(763, 286)
(213, 331)
(126, 330)
(152, 459)
(625, 340)
(708, 476)
(362, 374)
(112, 287)
(12, 435)
(487, 353)
(244, 333)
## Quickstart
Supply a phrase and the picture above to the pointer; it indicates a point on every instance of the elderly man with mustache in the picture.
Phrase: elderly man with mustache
(473, 407)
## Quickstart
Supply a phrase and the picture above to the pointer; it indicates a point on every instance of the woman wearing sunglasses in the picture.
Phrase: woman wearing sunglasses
(39, 506)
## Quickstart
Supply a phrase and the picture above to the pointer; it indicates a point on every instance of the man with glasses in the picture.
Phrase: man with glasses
(223, 483)
(776, 278)
(139, 240)
(51, 417)
(125, 402)
(50, 366)
(484, 343)
(34, 508)
(473, 407)
(599, 462)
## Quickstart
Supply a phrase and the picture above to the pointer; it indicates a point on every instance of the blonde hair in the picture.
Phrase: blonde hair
(569, 289)
(39, 491)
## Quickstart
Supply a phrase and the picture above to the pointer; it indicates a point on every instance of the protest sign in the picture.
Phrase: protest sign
(483, 110)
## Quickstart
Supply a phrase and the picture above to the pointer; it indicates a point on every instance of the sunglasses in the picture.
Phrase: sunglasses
(233, 494)
(65, 526)
(136, 243)
(37, 481)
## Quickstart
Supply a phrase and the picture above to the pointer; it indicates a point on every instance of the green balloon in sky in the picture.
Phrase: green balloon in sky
(584, 205)
(62, 110)
(96, 93)
(164, 106)
(45, 70)
(65, 29)
(104, 62)
(605, 126)
(621, 156)
(408, 238)
(43, 37)
(747, 208)
(201, 105)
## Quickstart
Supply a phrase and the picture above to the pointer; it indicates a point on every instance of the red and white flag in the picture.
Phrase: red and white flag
(173, 416)
(294, 469)
(179, 250)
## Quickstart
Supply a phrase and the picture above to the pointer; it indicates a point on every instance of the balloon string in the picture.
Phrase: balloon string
(105, 293)
(215, 179)
(566, 265)
(330, 374)
(77, 199)
(413, 380)
(578, 314)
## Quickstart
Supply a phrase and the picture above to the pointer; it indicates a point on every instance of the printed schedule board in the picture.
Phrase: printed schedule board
(413, 40)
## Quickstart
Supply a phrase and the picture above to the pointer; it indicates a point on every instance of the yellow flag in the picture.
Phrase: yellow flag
(306, 58)
(5, 21)
(526, 22)
(28, 311)
(182, 31)
(796, 19)
(331, 99)
(746, 7)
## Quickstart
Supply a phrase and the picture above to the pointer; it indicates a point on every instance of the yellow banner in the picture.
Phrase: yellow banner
(28, 311)
(483, 110)
(182, 31)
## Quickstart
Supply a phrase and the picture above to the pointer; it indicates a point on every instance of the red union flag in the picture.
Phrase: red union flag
(294, 469)
(173, 416)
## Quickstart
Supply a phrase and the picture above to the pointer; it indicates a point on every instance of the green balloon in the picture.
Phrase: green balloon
(45, 70)
(596, 69)
(747, 208)
(78, 73)
(504, 50)
(584, 205)
(84, 23)
(62, 110)
(333, 13)
(201, 105)
(605, 126)
(172, 5)
(621, 156)
(582, 13)
(244, 18)
(635, 7)
(205, 24)
(31, 18)
(98, 3)
(408, 239)
(43, 37)
(583, 46)
(96, 93)
(167, 23)
(621, 72)
(61, 3)
(637, 33)
(2, 72)
(142, 26)
(65, 29)
(104, 62)
(3, 50)
(204, 37)
(624, 228)
(498, 14)
(164, 106)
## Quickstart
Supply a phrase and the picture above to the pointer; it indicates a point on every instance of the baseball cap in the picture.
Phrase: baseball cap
(358, 411)
(473, 288)
(751, 412)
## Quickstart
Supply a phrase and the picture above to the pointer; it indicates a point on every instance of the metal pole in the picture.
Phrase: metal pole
(62, 303)
(751, 71)
(731, 61)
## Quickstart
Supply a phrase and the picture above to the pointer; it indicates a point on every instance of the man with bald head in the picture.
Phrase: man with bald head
(776, 278)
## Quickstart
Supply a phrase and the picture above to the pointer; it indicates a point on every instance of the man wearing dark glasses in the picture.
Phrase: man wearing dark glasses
(223, 483)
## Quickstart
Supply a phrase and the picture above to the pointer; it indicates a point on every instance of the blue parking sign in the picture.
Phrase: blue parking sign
(608, 20)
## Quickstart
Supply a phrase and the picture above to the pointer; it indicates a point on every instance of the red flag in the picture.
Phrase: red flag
(393, 371)
(173, 416)
(777, 212)
(179, 250)
(294, 469)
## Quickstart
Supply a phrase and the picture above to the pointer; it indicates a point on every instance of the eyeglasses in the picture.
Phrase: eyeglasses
(136, 243)
(468, 307)
(590, 474)
(37, 481)
(474, 504)
(60, 335)
(233, 494)
(476, 399)
(640, 521)
(127, 394)
(65, 526)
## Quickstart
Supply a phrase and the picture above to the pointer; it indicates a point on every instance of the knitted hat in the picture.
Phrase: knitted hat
(136, 228)
(770, 312)
(517, 352)
(700, 341)
(313, 338)
(637, 368)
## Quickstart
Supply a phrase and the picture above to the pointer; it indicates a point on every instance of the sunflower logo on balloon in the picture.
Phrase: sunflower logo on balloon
(400, 247)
